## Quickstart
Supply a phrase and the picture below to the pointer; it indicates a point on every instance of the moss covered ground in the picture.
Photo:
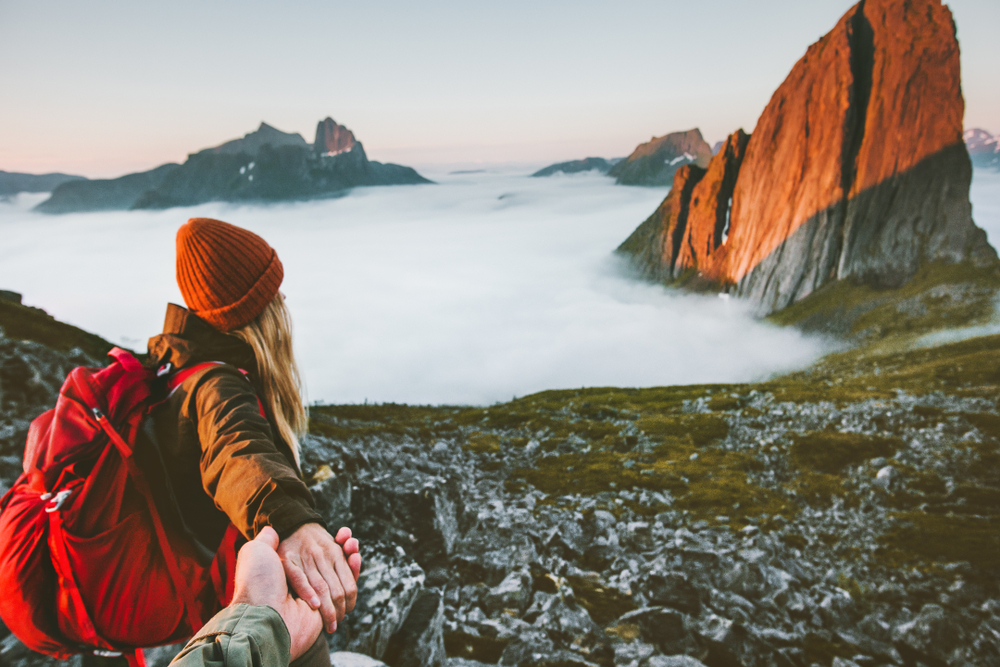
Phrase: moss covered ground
(674, 446)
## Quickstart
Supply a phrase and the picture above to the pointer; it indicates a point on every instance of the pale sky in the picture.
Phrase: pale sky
(105, 88)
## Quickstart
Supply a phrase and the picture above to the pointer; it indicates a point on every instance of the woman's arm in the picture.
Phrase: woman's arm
(256, 486)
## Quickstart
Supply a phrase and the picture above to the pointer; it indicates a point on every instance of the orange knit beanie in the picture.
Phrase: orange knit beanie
(227, 275)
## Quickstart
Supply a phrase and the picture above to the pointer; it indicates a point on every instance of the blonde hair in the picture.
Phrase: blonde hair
(270, 337)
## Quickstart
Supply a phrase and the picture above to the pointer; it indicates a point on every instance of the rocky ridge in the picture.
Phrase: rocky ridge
(266, 165)
(576, 166)
(844, 515)
(856, 170)
(654, 162)
(12, 182)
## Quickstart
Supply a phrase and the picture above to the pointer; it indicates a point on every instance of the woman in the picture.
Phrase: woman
(225, 460)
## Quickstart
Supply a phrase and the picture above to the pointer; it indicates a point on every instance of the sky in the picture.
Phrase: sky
(105, 88)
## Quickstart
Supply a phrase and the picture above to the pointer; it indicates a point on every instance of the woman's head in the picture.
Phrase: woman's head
(230, 277)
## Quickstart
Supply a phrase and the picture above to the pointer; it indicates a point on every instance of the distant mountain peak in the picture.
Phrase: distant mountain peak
(252, 142)
(333, 138)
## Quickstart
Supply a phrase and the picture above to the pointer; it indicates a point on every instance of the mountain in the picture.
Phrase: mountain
(656, 161)
(252, 142)
(12, 182)
(984, 148)
(105, 194)
(575, 166)
(265, 165)
(856, 170)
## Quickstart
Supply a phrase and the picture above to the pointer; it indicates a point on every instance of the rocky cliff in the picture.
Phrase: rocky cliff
(654, 162)
(332, 138)
(265, 165)
(856, 169)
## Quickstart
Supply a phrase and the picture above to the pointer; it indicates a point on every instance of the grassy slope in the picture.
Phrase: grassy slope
(34, 324)
(670, 439)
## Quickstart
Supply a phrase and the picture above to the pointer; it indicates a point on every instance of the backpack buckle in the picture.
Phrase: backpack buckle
(107, 654)
(58, 500)
(164, 369)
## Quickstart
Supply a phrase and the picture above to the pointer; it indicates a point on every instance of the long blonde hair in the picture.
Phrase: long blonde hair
(270, 337)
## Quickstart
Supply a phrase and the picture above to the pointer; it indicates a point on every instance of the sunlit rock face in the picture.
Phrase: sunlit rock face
(331, 138)
(856, 168)
(656, 161)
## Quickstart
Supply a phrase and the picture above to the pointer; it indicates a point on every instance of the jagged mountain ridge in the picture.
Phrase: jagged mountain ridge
(656, 161)
(265, 165)
(856, 169)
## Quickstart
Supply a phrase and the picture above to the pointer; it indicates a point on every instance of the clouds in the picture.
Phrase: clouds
(474, 290)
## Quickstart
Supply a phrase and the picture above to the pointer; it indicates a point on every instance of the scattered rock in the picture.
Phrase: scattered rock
(388, 587)
(419, 642)
(349, 659)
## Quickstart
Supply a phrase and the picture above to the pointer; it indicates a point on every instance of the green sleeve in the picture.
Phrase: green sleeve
(240, 635)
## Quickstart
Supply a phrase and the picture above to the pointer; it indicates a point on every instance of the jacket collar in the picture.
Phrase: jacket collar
(188, 340)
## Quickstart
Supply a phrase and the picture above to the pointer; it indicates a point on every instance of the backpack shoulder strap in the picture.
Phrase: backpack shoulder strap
(178, 378)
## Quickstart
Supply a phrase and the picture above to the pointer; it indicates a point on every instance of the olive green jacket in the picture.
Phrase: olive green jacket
(223, 460)
(241, 635)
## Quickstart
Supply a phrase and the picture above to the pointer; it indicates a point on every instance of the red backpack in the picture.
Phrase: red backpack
(86, 562)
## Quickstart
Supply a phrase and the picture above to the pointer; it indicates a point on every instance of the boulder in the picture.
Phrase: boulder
(730, 643)
(666, 628)
(420, 641)
(389, 585)
(673, 661)
(934, 637)
(675, 591)
(513, 593)
(413, 509)
(349, 659)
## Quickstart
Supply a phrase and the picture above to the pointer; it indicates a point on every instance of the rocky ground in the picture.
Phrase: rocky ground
(843, 515)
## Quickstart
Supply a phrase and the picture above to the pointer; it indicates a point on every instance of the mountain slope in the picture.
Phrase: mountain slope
(13, 182)
(856, 169)
(654, 162)
(265, 165)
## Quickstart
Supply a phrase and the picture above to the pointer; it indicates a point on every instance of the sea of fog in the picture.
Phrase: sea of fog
(482, 287)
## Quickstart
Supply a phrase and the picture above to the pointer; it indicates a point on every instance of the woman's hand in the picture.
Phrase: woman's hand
(260, 580)
(319, 572)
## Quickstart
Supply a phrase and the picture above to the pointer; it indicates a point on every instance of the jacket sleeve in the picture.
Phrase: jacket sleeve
(241, 635)
(242, 468)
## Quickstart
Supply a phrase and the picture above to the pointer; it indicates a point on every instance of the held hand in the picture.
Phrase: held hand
(260, 580)
(351, 549)
(319, 573)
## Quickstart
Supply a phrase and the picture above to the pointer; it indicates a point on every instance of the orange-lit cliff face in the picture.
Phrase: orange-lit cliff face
(332, 138)
(856, 168)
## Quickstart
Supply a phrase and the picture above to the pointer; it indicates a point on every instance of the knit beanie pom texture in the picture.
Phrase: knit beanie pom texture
(227, 275)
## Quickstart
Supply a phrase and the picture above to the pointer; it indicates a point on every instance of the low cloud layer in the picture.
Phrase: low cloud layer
(480, 288)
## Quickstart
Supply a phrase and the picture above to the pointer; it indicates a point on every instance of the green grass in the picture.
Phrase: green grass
(940, 296)
(830, 452)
